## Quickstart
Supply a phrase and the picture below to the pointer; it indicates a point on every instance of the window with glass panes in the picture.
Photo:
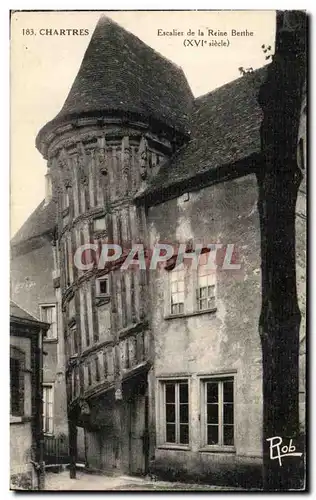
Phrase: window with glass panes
(48, 315)
(48, 416)
(206, 284)
(16, 387)
(219, 412)
(177, 290)
(176, 402)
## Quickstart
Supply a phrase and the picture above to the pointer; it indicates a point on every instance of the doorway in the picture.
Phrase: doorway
(138, 429)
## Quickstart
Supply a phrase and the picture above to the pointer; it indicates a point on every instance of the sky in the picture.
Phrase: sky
(43, 68)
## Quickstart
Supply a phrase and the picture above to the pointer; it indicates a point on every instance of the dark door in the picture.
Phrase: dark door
(138, 432)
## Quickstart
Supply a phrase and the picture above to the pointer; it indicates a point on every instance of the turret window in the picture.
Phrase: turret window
(97, 369)
(65, 198)
(99, 224)
(102, 287)
(89, 373)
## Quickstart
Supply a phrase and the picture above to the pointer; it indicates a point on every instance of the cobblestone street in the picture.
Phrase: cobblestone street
(62, 482)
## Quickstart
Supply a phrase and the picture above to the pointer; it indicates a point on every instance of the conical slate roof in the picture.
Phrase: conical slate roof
(119, 72)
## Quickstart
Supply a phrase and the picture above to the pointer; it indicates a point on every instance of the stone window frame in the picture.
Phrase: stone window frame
(74, 341)
(211, 282)
(177, 278)
(65, 200)
(191, 290)
(219, 379)
(97, 219)
(50, 388)
(47, 305)
(88, 370)
(19, 355)
(161, 412)
(98, 292)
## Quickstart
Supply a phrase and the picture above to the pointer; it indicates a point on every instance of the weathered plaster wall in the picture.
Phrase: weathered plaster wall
(31, 285)
(20, 447)
(21, 432)
(31, 276)
(227, 340)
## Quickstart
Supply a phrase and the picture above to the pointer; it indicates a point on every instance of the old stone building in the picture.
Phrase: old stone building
(26, 391)
(163, 366)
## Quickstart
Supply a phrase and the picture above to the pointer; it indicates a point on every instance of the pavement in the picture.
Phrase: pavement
(93, 482)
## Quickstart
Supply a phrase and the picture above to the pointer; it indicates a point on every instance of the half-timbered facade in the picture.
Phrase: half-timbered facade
(163, 367)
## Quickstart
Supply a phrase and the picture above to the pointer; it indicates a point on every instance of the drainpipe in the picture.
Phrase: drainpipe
(40, 445)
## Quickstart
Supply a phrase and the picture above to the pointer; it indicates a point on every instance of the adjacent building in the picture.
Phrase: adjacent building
(26, 394)
(162, 367)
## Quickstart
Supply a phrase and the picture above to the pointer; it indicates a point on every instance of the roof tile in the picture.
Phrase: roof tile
(119, 72)
(225, 128)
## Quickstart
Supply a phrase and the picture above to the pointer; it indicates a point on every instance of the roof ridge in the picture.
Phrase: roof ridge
(24, 310)
(231, 82)
(33, 226)
(225, 131)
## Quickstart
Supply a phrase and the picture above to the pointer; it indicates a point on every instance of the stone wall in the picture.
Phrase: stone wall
(21, 470)
(218, 342)
(31, 285)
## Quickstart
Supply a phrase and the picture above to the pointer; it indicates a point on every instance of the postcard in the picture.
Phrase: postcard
(158, 250)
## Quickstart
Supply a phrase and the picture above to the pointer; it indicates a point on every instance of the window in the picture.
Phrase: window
(65, 198)
(74, 341)
(176, 412)
(97, 369)
(48, 414)
(76, 381)
(177, 290)
(99, 224)
(89, 373)
(102, 287)
(218, 412)
(48, 315)
(205, 285)
(16, 387)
